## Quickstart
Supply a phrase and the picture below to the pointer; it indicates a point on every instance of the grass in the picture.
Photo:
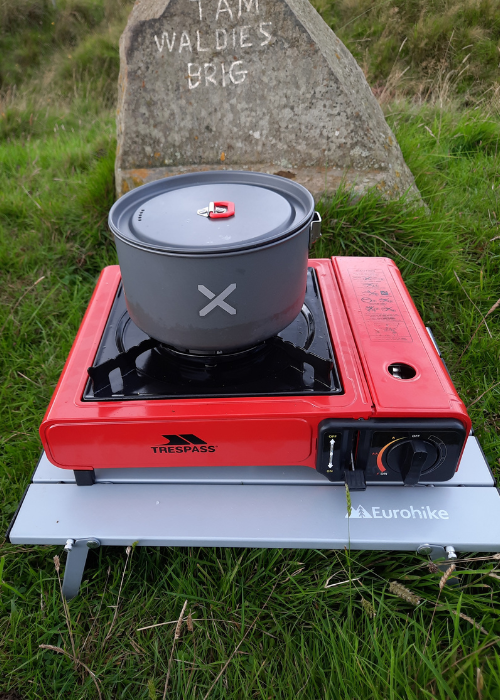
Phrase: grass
(364, 638)
(421, 48)
(76, 39)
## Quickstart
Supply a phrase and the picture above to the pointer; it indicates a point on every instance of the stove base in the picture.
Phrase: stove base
(274, 507)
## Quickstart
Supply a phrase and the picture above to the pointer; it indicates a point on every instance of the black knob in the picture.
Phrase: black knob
(411, 458)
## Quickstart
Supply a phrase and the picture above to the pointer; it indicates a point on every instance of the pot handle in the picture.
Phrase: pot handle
(315, 230)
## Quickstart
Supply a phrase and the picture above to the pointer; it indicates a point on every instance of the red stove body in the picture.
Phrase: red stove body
(398, 414)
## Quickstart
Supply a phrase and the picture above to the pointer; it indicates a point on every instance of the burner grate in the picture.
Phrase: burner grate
(298, 361)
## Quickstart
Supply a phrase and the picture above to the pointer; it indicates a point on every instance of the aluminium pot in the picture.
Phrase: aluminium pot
(214, 261)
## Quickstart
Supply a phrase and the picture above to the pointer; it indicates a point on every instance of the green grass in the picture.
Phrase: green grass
(56, 186)
(428, 49)
(72, 43)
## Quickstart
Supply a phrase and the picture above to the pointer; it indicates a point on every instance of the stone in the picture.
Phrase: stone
(248, 85)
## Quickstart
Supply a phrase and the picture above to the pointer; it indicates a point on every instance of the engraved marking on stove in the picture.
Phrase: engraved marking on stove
(217, 300)
(379, 306)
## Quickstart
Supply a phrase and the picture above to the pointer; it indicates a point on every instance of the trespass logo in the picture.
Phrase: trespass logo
(422, 513)
(183, 443)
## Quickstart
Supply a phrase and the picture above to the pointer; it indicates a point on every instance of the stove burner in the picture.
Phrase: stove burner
(299, 360)
(167, 364)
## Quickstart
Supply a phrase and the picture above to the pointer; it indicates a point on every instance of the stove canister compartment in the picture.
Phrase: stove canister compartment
(214, 261)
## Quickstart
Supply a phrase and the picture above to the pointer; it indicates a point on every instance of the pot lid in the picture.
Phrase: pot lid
(211, 212)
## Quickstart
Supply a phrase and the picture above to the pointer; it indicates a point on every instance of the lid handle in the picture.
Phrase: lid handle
(221, 210)
(217, 210)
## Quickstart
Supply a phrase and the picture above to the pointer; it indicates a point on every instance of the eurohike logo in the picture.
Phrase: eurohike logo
(422, 513)
(183, 443)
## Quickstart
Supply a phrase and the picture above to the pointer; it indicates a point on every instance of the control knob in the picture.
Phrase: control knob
(411, 457)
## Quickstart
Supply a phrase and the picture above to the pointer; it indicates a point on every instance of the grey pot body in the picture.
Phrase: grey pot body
(256, 293)
(214, 285)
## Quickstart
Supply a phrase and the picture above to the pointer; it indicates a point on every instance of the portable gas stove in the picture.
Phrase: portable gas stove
(254, 448)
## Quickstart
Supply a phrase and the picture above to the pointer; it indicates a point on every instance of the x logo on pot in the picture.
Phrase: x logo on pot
(217, 300)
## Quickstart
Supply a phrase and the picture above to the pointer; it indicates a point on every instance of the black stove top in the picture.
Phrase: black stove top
(129, 365)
